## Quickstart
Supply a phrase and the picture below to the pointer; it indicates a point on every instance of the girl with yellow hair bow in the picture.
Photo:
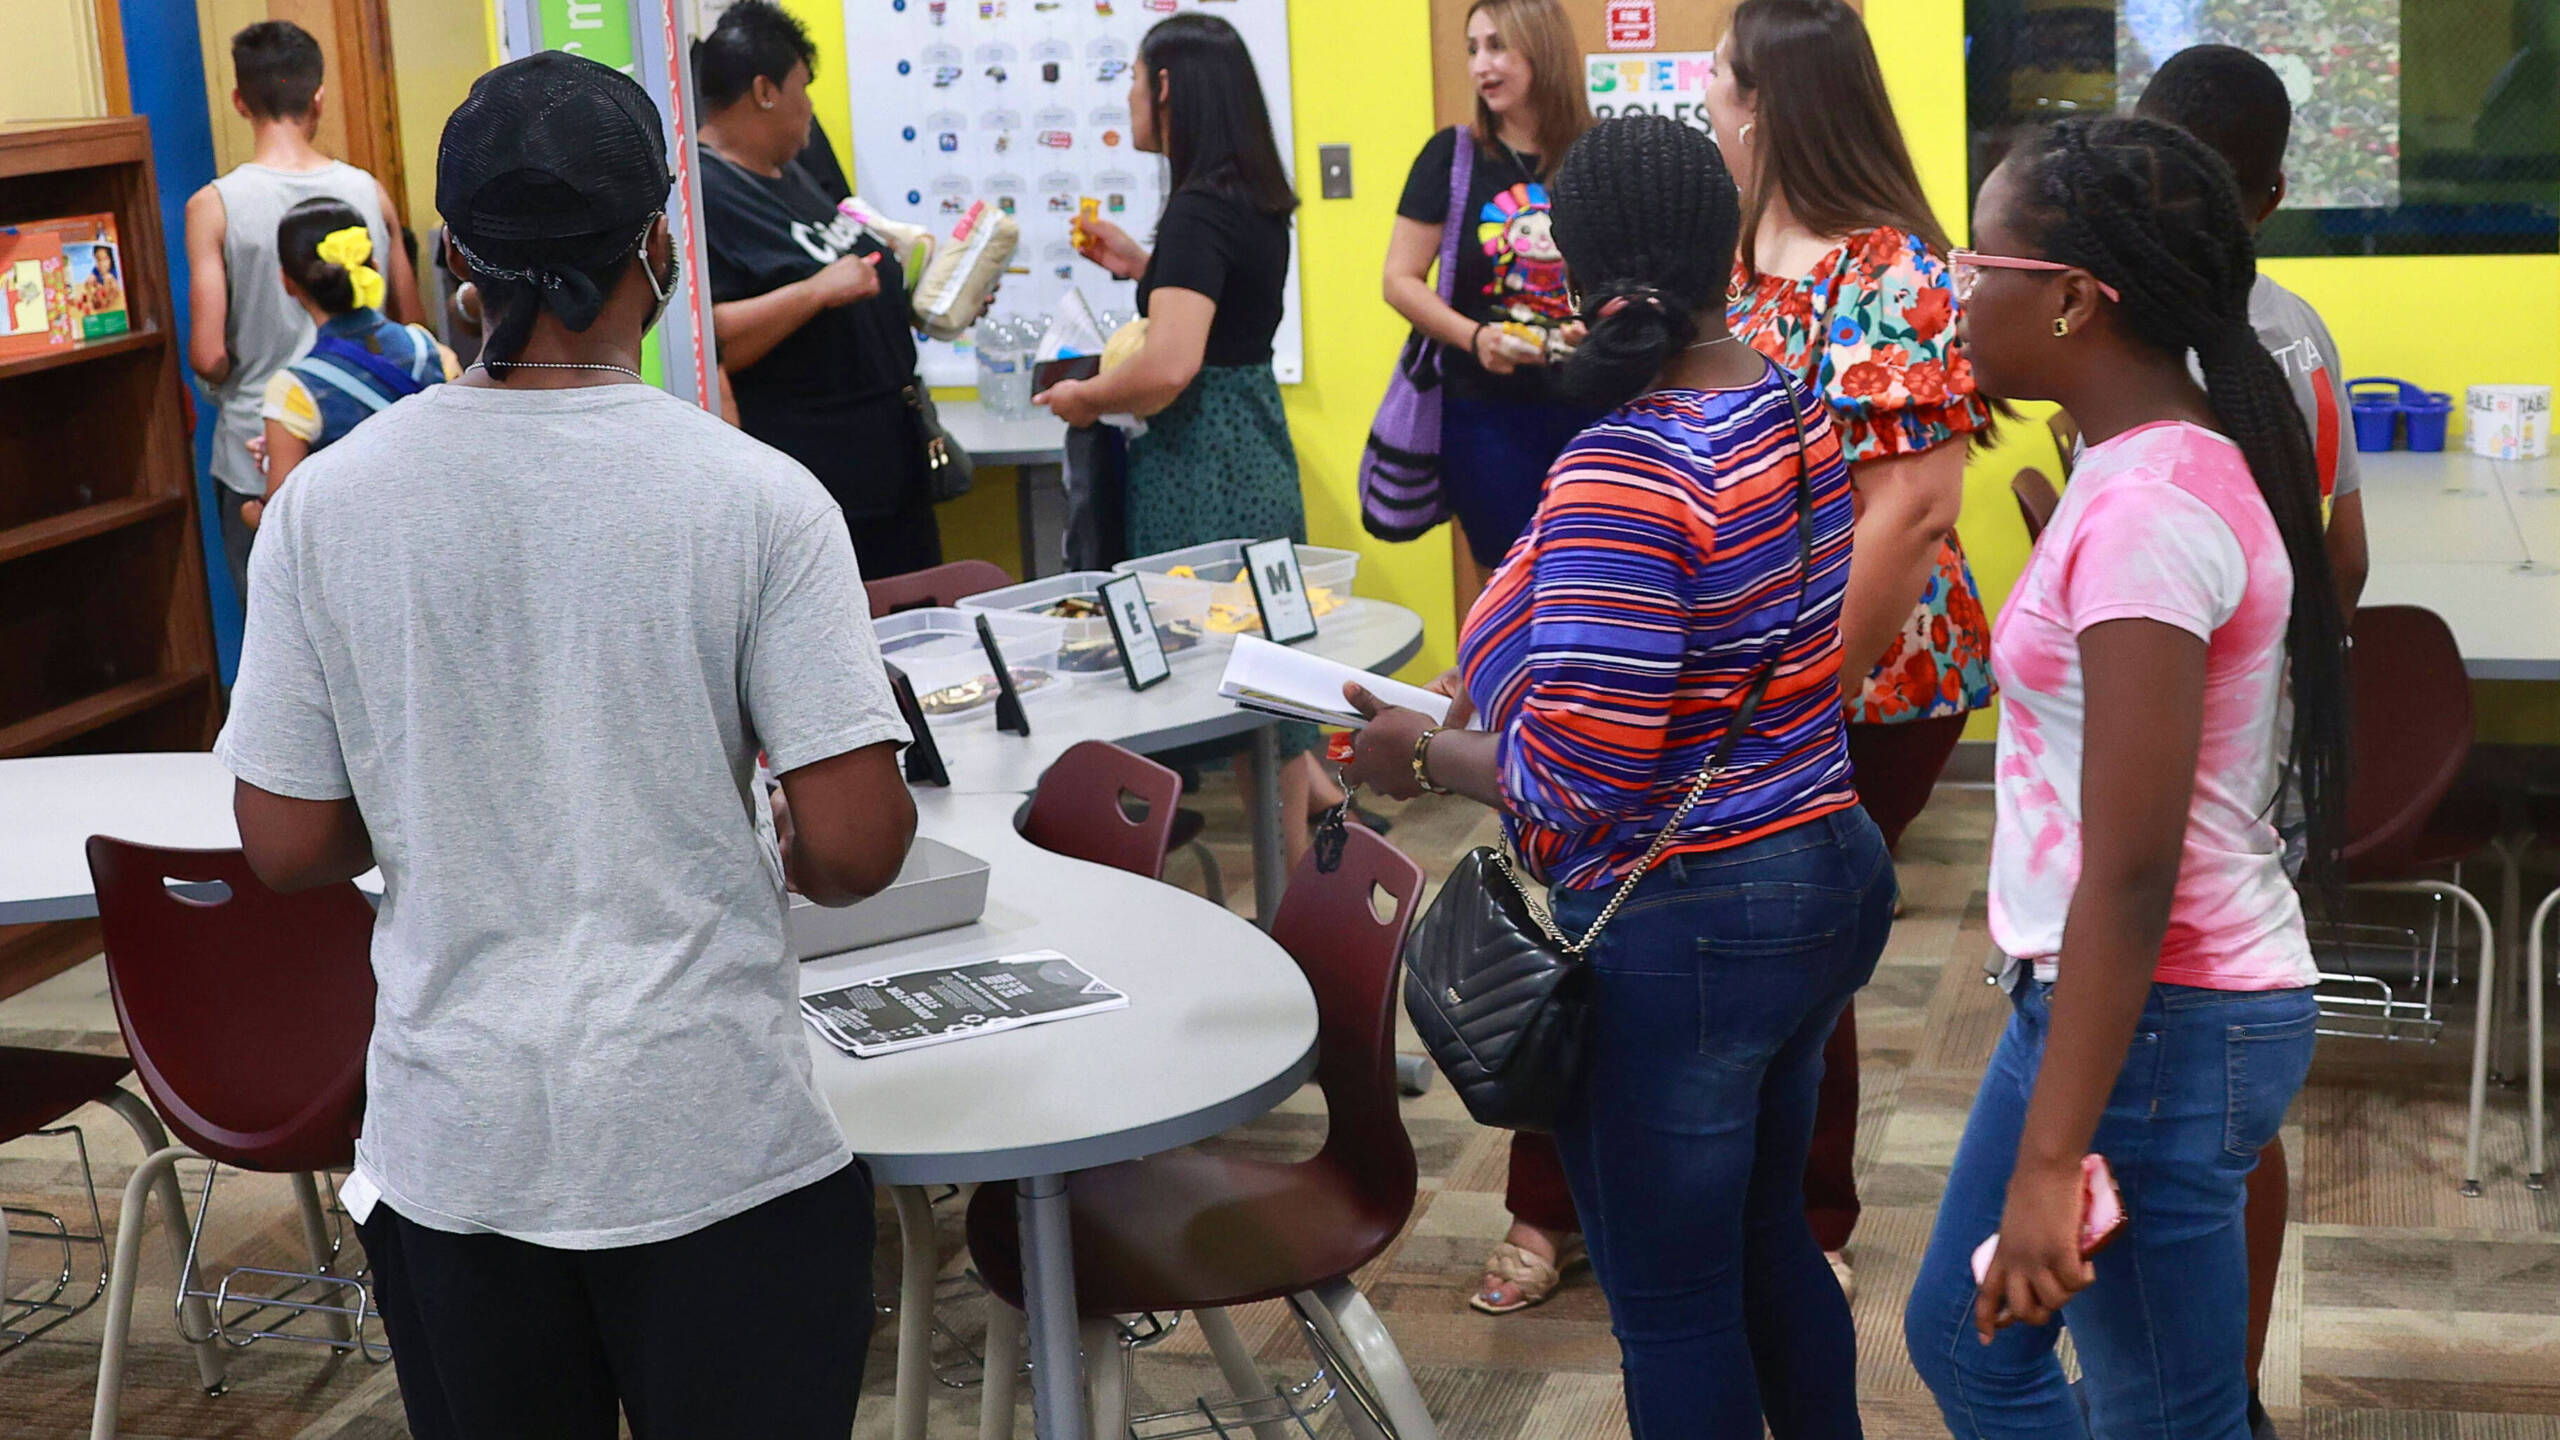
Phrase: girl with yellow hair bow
(359, 362)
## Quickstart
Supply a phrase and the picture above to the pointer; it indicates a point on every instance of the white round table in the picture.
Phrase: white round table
(1220, 1027)
(1183, 709)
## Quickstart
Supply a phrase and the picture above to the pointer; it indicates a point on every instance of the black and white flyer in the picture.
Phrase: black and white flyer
(952, 1002)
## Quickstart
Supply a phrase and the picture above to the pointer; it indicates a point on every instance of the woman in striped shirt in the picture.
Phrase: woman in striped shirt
(1695, 537)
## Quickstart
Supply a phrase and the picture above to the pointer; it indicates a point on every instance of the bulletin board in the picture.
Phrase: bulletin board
(1024, 104)
(1679, 26)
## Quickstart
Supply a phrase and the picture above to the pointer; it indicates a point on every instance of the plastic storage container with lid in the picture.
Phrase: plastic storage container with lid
(938, 649)
(1216, 583)
(1086, 650)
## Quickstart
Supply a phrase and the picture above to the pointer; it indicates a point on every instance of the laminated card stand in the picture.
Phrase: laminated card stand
(923, 758)
(1009, 715)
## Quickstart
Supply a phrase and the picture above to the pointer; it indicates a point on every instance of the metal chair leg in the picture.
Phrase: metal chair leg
(212, 1364)
(1003, 1371)
(121, 1278)
(1213, 881)
(2539, 1175)
(921, 1258)
(1340, 1312)
(2485, 1017)
(1244, 1378)
(1106, 1379)
(315, 1238)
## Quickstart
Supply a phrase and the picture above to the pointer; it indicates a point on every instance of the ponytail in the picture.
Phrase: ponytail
(1646, 217)
(2153, 211)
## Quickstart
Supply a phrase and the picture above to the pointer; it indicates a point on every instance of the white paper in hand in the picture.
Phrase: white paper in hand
(1300, 686)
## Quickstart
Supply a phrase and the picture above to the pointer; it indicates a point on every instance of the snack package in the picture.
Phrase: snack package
(1123, 344)
(912, 244)
(962, 272)
(1079, 233)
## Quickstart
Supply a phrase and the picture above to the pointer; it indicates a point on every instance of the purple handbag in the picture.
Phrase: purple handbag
(1400, 466)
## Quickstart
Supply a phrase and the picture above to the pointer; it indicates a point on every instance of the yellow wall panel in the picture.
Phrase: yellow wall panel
(49, 67)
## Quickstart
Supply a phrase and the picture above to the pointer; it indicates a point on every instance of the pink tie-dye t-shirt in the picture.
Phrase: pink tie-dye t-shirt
(2160, 523)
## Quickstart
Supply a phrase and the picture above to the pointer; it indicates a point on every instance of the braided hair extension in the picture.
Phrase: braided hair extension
(2153, 211)
(1644, 213)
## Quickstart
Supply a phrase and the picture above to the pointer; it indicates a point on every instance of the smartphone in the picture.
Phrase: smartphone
(2102, 1216)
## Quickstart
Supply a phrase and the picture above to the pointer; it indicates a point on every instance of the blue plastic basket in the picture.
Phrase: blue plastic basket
(2382, 406)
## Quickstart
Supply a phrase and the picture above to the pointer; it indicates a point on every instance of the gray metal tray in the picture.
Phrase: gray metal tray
(939, 888)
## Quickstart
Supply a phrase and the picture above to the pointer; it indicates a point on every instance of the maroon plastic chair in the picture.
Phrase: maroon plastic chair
(2036, 501)
(247, 1014)
(2412, 706)
(941, 585)
(1082, 808)
(1192, 1230)
(39, 1090)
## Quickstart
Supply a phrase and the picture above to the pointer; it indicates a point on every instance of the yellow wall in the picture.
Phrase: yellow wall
(51, 70)
(438, 48)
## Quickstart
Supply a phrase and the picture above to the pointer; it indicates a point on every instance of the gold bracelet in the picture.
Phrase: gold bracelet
(1422, 761)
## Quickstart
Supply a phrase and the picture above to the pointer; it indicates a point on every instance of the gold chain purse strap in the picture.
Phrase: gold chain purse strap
(1734, 727)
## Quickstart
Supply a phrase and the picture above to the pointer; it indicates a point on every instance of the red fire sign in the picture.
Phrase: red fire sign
(1631, 24)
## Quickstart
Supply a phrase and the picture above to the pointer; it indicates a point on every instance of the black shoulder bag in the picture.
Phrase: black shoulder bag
(1494, 988)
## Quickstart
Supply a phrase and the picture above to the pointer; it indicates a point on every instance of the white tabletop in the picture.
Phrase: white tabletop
(55, 803)
(2476, 541)
(1038, 440)
(1184, 709)
(1220, 1027)
(2439, 509)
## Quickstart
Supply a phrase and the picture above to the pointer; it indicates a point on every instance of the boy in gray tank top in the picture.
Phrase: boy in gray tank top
(243, 327)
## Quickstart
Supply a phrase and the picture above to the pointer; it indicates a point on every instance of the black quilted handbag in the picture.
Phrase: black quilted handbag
(1495, 990)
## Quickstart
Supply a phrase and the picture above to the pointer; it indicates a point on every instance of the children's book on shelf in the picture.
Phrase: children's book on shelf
(92, 273)
(35, 307)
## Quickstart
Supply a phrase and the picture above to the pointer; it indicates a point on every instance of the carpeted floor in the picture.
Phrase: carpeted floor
(2406, 1312)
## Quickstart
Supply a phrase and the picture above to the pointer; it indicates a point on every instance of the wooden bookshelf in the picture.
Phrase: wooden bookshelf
(106, 642)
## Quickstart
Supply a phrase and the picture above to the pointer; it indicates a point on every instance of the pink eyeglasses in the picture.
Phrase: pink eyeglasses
(1968, 266)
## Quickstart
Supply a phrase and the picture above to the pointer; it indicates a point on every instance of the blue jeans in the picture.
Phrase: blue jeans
(1684, 1143)
(2163, 1334)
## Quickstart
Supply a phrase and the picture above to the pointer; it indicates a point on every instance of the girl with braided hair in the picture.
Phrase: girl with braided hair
(1678, 590)
(2176, 622)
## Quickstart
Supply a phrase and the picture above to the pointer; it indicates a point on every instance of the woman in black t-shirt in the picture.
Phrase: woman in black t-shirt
(1502, 422)
(811, 313)
(1215, 463)
(1509, 316)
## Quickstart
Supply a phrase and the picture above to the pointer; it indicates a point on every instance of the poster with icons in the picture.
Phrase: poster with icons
(1024, 104)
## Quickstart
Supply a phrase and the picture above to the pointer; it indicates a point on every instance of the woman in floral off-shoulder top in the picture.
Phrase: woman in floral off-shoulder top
(1842, 279)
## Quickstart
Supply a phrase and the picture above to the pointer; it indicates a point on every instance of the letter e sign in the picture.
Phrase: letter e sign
(1630, 22)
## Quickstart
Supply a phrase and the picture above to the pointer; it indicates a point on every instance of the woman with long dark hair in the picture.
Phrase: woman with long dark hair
(1681, 578)
(1842, 278)
(1216, 462)
(2157, 956)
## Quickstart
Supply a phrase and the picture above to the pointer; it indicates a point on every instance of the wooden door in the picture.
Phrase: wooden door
(360, 106)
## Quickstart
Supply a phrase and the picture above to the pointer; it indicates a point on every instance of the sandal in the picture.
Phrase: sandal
(1526, 1273)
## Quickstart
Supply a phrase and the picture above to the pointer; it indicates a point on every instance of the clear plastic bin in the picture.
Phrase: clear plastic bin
(1217, 586)
(939, 650)
(1086, 650)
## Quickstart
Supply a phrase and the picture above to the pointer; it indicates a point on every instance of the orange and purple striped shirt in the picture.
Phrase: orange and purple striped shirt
(1612, 646)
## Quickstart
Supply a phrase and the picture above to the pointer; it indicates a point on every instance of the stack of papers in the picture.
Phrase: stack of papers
(953, 1002)
(1296, 685)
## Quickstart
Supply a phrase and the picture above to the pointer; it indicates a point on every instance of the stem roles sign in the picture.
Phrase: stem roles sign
(600, 30)
(1669, 84)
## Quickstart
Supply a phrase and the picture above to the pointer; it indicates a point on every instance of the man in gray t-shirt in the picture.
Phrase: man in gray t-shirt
(519, 639)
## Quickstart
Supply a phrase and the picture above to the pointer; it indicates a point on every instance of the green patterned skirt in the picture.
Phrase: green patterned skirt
(1216, 464)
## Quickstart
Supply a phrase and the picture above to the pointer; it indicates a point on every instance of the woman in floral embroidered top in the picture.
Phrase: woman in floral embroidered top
(1842, 279)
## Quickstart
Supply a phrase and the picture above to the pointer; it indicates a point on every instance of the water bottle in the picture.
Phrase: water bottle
(1004, 368)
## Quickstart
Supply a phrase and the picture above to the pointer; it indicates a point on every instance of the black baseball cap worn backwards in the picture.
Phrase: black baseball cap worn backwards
(545, 153)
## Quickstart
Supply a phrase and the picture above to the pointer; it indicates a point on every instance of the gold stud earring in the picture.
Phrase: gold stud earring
(2061, 325)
